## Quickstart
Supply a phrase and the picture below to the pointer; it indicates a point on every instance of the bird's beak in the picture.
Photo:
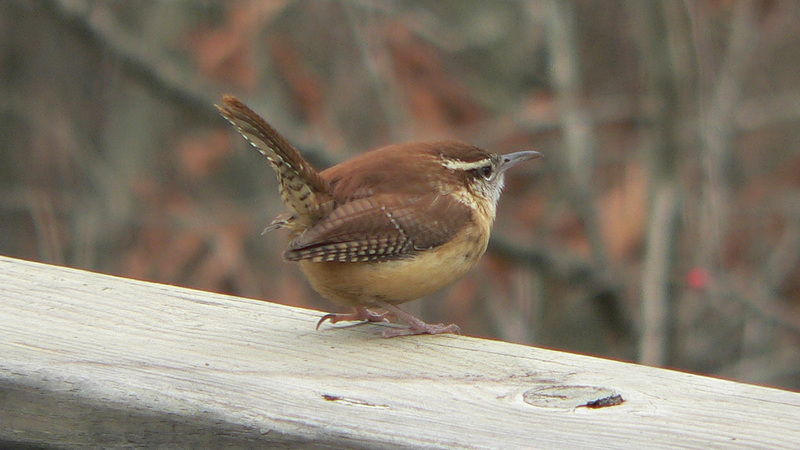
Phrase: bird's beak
(512, 159)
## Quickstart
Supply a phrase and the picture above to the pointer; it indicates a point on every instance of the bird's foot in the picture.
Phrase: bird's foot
(416, 326)
(361, 313)
(422, 328)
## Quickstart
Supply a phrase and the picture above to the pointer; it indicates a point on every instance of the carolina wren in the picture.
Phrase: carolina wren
(388, 226)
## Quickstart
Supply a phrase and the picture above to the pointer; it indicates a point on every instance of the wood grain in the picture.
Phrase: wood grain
(90, 359)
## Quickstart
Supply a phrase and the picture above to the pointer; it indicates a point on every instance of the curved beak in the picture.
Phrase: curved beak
(512, 159)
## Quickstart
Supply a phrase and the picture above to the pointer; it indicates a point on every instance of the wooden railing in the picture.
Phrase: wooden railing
(90, 359)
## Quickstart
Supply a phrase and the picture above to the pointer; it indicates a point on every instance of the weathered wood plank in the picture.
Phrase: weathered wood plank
(93, 359)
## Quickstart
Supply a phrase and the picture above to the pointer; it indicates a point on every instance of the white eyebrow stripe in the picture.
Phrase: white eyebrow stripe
(463, 165)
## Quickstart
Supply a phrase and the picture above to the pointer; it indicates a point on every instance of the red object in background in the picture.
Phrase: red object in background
(698, 278)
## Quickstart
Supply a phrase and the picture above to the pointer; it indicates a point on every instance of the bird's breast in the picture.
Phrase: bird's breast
(401, 280)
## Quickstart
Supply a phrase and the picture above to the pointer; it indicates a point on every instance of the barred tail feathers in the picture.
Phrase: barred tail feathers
(301, 187)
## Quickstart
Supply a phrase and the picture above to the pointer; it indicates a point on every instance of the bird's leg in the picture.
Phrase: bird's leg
(416, 325)
(361, 313)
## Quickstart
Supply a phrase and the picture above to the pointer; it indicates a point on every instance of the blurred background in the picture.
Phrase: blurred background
(662, 226)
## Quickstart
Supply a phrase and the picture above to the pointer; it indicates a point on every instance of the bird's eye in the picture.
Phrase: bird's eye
(485, 172)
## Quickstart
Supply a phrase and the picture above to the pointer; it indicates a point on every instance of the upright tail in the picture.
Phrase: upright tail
(302, 189)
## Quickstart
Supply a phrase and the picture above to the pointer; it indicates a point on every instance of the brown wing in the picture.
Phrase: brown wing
(380, 228)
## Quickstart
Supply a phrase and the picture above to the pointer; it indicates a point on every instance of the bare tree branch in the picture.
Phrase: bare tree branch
(650, 24)
(716, 130)
(167, 78)
(580, 144)
(576, 123)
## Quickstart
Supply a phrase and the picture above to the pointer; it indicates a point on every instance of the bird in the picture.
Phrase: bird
(385, 227)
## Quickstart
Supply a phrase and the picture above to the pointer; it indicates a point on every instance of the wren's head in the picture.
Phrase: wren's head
(481, 173)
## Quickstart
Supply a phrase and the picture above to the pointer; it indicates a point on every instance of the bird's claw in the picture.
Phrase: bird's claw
(360, 314)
